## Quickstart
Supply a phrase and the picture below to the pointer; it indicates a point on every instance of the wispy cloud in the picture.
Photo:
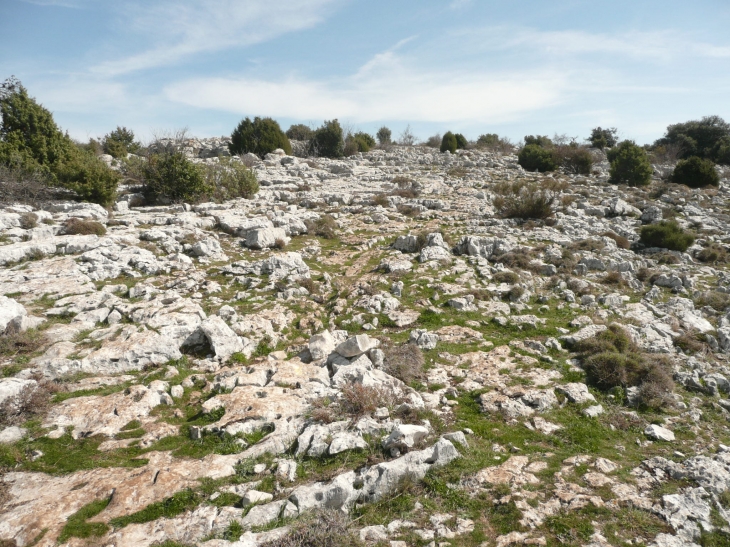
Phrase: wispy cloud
(200, 26)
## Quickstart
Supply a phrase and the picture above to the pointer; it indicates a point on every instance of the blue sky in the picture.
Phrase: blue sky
(512, 67)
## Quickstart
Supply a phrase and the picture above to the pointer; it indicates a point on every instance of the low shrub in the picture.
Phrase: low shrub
(229, 180)
(719, 301)
(448, 142)
(325, 227)
(667, 235)
(19, 185)
(260, 136)
(533, 157)
(322, 528)
(506, 277)
(538, 140)
(358, 399)
(492, 141)
(404, 362)
(30, 402)
(28, 221)
(574, 160)
(120, 142)
(629, 165)
(78, 226)
(171, 176)
(712, 253)
(695, 173)
(523, 199)
(434, 141)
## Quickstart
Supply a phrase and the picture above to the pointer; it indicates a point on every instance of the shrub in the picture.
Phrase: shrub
(621, 242)
(77, 226)
(539, 140)
(327, 140)
(299, 132)
(384, 135)
(666, 234)
(358, 142)
(229, 180)
(523, 199)
(171, 176)
(712, 253)
(89, 177)
(28, 221)
(461, 142)
(603, 138)
(321, 528)
(407, 138)
(695, 173)
(358, 399)
(704, 138)
(719, 301)
(533, 157)
(324, 226)
(17, 185)
(434, 141)
(30, 402)
(120, 142)
(448, 142)
(493, 141)
(629, 165)
(506, 276)
(573, 159)
(260, 136)
(404, 362)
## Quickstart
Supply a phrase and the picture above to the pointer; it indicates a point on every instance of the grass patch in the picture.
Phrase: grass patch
(77, 527)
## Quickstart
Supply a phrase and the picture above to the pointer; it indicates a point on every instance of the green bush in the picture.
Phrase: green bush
(358, 142)
(31, 141)
(384, 135)
(171, 176)
(299, 132)
(461, 142)
(629, 165)
(327, 140)
(448, 142)
(573, 159)
(229, 180)
(695, 173)
(260, 136)
(120, 142)
(534, 157)
(603, 138)
(539, 140)
(667, 235)
(705, 138)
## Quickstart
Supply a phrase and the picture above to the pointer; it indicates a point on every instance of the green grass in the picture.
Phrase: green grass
(170, 507)
(77, 527)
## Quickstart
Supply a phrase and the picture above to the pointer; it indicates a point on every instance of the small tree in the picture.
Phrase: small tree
(299, 132)
(328, 140)
(169, 175)
(384, 136)
(461, 142)
(703, 138)
(629, 165)
(695, 173)
(603, 138)
(407, 138)
(260, 136)
(120, 142)
(448, 142)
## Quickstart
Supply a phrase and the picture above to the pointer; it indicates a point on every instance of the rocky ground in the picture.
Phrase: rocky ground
(365, 336)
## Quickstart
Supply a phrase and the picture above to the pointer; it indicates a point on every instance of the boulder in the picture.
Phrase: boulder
(222, 339)
(357, 345)
(265, 238)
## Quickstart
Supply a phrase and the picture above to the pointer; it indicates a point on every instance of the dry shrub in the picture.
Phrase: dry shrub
(691, 342)
(506, 277)
(358, 400)
(718, 301)
(404, 362)
(592, 245)
(279, 243)
(77, 226)
(381, 199)
(30, 402)
(523, 199)
(712, 253)
(13, 344)
(621, 242)
(644, 273)
(519, 257)
(325, 227)
(408, 210)
(28, 221)
(613, 278)
(402, 181)
(667, 258)
(309, 284)
(26, 187)
(321, 528)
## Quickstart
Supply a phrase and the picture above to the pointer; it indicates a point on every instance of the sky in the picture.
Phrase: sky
(512, 67)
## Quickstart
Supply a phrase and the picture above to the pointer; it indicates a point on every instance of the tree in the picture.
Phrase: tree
(461, 142)
(696, 173)
(704, 138)
(328, 140)
(407, 138)
(603, 138)
(120, 142)
(539, 140)
(629, 165)
(260, 136)
(299, 132)
(448, 142)
(384, 135)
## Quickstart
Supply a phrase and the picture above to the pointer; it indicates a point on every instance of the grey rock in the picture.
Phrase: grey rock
(658, 433)
(576, 392)
(357, 345)
(222, 339)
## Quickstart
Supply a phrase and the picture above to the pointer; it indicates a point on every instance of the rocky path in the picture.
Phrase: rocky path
(367, 337)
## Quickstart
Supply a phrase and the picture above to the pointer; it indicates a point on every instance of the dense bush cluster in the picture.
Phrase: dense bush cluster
(299, 132)
(260, 136)
(667, 235)
(358, 142)
(534, 157)
(30, 141)
(708, 138)
(328, 140)
(541, 154)
(629, 164)
(612, 360)
(695, 172)
(229, 180)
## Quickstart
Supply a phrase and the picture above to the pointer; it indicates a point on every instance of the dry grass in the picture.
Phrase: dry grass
(32, 401)
(28, 221)
(325, 528)
(77, 226)
(356, 401)
(527, 200)
(621, 242)
(404, 362)
(21, 343)
(325, 227)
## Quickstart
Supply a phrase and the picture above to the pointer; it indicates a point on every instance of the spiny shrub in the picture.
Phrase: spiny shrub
(229, 180)
(448, 142)
(461, 142)
(573, 159)
(325, 227)
(523, 199)
(299, 132)
(621, 242)
(171, 176)
(629, 165)
(434, 141)
(695, 173)
(78, 226)
(603, 138)
(327, 140)
(28, 221)
(534, 157)
(260, 136)
(611, 359)
(492, 141)
(384, 135)
(120, 142)
(667, 235)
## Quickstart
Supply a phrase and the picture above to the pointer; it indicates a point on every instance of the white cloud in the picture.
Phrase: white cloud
(181, 30)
